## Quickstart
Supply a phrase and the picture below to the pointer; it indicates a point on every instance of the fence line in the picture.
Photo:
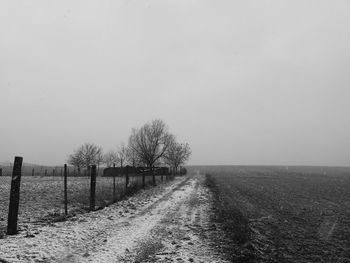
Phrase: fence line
(53, 194)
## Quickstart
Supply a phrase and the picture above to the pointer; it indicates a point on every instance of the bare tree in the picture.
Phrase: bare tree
(76, 160)
(150, 142)
(177, 154)
(131, 154)
(86, 155)
(121, 154)
(110, 158)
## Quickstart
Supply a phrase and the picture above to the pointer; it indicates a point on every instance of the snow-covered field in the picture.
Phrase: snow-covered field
(168, 223)
(42, 198)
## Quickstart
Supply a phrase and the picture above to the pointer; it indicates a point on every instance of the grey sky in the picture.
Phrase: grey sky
(243, 82)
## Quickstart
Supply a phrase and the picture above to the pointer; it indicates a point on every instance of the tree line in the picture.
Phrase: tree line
(151, 145)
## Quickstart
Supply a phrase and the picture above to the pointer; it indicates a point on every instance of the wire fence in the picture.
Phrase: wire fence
(42, 198)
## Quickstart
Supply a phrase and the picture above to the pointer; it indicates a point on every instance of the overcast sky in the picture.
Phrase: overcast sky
(243, 82)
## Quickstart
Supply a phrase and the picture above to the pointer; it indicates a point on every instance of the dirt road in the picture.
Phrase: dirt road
(169, 223)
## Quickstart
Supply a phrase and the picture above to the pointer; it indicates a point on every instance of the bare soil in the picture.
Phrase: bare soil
(283, 214)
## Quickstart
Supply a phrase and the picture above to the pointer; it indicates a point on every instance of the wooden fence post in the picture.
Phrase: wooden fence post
(65, 190)
(114, 192)
(126, 179)
(33, 172)
(45, 172)
(143, 180)
(14, 196)
(153, 176)
(93, 187)
(0, 171)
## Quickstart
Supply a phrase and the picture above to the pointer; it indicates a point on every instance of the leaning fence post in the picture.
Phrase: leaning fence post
(65, 190)
(14, 196)
(92, 187)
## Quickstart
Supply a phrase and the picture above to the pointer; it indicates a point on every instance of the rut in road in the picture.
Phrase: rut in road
(184, 233)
